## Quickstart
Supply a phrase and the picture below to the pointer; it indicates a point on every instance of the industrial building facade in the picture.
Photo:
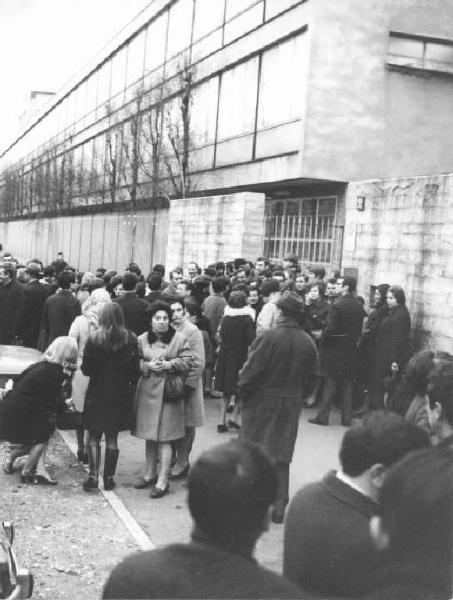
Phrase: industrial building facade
(297, 100)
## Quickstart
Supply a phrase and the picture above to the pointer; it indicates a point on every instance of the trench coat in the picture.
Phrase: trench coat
(194, 402)
(80, 329)
(280, 372)
(154, 419)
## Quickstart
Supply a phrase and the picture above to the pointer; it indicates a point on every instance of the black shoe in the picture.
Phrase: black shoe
(109, 483)
(183, 473)
(277, 516)
(316, 421)
(222, 428)
(157, 492)
(82, 456)
(234, 425)
(27, 477)
(143, 483)
(90, 484)
(44, 479)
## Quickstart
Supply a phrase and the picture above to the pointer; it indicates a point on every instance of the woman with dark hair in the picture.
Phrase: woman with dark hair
(236, 333)
(27, 413)
(317, 309)
(159, 419)
(366, 353)
(391, 349)
(110, 360)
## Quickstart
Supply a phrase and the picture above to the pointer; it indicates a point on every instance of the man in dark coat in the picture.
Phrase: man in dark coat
(231, 488)
(414, 529)
(338, 352)
(327, 546)
(135, 309)
(11, 302)
(35, 295)
(281, 371)
(60, 310)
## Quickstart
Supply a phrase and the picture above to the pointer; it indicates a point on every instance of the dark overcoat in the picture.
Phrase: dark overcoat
(195, 570)
(280, 372)
(35, 295)
(59, 312)
(338, 347)
(392, 341)
(135, 312)
(113, 377)
(11, 302)
(27, 413)
(236, 334)
(327, 546)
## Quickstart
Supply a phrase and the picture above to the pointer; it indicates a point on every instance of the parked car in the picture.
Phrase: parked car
(15, 583)
(14, 360)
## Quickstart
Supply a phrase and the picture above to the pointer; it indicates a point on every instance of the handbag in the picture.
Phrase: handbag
(174, 388)
(69, 419)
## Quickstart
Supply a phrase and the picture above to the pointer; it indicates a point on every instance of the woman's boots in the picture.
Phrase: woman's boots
(111, 460)
(94, 455)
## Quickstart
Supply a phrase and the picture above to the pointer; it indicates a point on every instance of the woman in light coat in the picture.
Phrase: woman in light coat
(80, 329)
(164, 351)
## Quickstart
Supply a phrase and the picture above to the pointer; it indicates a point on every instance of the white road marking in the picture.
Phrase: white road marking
(140, 537)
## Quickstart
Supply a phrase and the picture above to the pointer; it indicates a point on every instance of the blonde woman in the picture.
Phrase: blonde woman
(27, 413)
(81, 328)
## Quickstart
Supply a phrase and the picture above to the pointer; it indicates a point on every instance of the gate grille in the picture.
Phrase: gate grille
(304, 227)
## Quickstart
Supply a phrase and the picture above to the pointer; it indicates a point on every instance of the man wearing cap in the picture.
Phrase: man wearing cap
(35, 295)
(11, 299)
(280, 372)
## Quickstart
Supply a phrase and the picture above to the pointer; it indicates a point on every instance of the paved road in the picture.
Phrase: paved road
(167, 520)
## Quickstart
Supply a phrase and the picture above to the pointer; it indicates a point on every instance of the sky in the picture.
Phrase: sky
(43, 43)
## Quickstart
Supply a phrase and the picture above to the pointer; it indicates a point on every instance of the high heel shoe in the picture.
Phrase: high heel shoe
(27, 477)
(157, 492)
(44, 479)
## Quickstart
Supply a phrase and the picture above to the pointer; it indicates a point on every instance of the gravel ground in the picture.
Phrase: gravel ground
(68, 539)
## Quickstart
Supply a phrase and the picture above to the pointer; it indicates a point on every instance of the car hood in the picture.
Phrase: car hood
(15, 359)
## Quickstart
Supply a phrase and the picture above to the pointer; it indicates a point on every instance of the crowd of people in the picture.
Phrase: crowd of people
(142, 354)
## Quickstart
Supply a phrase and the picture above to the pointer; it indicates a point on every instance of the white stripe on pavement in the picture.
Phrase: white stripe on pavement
(140, 537)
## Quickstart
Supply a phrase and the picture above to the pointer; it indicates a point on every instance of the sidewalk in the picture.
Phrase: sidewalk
(71, 540)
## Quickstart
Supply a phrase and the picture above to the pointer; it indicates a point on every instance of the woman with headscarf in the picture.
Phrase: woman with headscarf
(110, 360)
(159, 419)
(81, 328)
(391, 349)
(27, 413)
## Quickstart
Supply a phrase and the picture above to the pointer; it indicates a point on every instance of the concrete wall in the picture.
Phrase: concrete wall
(364, 121)
(91, 241)
(404, 237)
(216, 228)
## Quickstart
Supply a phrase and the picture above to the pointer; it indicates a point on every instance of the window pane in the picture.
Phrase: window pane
(118, 76)
(155, 43)
(235, 117)
(208, 16)
(243, 23)
(135, 57)
(233, 7)
(440, 53)
(180, 27)
(282, 86)
(273, 7)
(409, 50)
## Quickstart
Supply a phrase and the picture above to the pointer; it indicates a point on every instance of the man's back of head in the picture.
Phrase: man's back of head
(414, 529)
(130, 281)
(231, 488)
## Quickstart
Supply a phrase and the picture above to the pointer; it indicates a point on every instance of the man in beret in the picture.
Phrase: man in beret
(280, 373)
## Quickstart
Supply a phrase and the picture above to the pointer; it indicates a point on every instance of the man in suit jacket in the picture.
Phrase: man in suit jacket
(135, 309)
(35, 295)
(338, 352)
(327, 545)
(60, 310)
(231, 488)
